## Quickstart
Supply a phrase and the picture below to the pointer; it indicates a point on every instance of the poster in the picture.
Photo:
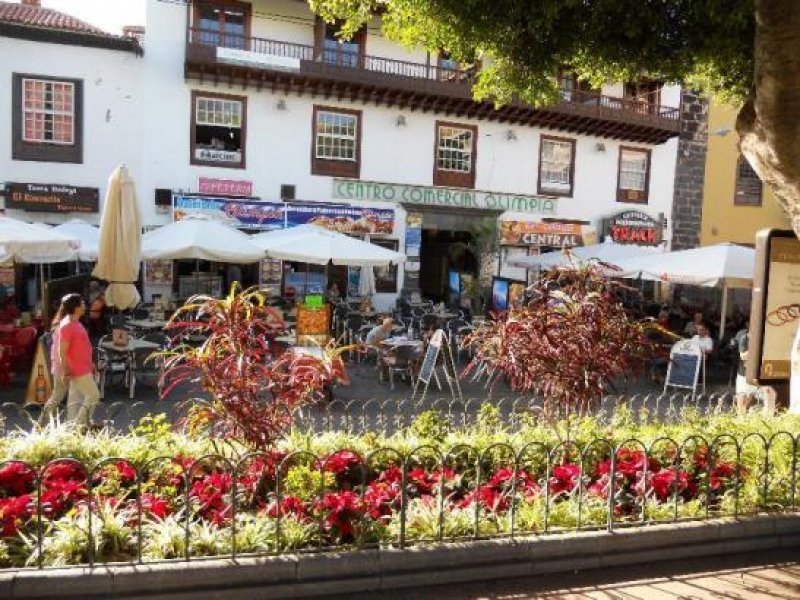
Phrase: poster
(271, 271)
(782, 310)
(386, 277)
(413, 234)
(342, 218)
(158, 272)
(251, 213)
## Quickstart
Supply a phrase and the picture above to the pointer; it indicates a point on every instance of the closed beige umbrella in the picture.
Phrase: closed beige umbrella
(120, 241)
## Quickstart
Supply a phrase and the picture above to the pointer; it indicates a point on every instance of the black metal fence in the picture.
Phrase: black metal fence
(120, 511)
(390, 415)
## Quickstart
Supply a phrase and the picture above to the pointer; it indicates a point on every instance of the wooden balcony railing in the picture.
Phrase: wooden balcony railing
(386, 66)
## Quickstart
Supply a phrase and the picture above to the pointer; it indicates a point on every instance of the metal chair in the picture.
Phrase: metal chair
(399, 361)
(118, 366)
(148, 370)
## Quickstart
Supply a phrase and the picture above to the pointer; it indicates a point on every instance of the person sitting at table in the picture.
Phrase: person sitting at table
(380, 333)
(333, 295)
(72, 366)
(703, 340)
(692, 326)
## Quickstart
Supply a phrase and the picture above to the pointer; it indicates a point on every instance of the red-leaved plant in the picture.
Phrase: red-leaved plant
(254, 386)
(567, 344)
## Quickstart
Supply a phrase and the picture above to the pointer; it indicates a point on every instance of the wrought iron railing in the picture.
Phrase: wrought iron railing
(119, 511)
(387, 66)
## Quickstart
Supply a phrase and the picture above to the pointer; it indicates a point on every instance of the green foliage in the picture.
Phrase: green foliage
(306, 482)
(429, 425)
(523, 44)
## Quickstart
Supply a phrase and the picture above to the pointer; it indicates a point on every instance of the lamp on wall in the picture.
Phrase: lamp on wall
(400, 121)
(600, 147)
(511, 135)
(281, 105)
(722, 131)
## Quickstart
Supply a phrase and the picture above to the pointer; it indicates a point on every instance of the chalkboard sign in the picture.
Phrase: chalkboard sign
(684, 365)
(429, 362)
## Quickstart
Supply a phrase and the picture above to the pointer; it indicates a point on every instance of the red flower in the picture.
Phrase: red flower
(721, 475)
(290, 505)
(210, 493)
(127, 474)
(154, 505)
(564, 478)
(381, 498)
(343, 508)
(16, 478)
(343, 463)
(13, 512)
(503, 479)
(59, 495)
(669, 481)
(63, 471)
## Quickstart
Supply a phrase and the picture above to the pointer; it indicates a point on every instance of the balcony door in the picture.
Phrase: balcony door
(220, 23)
(333, 51)
(646, 95)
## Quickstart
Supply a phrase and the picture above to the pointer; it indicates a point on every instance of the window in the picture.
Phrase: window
(455, 155)
(218, 130)
(336, 142)
(335, 51)
(556, 165)
(47, 122)
(634, 174)
(573, 89)
(748, 185)
(385, 277)
(224, 24)
(646, 95)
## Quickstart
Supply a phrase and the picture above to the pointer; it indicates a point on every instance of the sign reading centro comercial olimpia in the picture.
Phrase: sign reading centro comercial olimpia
(355, 189)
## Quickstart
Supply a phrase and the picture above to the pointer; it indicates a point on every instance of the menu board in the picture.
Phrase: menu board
(158, 272)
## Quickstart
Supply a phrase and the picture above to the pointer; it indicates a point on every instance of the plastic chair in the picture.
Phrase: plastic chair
(399, 361)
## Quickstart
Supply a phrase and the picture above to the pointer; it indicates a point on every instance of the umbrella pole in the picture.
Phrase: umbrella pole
(724, 310)
(305, 285)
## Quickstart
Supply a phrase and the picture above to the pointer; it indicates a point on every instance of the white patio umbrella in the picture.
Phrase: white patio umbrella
(319, 246)
(608, 253)
(725, 265)
(366, 282)
(28, 243)
(201, 239)
(87, 234)
(120, 241)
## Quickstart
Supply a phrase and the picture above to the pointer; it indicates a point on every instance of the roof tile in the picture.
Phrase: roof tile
(46, 18)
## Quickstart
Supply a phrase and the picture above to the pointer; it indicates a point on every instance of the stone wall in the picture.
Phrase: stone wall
(687, 207)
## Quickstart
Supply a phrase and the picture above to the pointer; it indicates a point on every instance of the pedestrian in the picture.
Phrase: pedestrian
(72, 366)
(746, 392)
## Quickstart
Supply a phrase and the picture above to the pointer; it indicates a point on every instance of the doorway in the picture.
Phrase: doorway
(442, 254)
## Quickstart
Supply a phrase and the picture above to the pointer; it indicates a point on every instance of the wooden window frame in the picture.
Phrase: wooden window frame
(546, 192)
(624, 196)
(360, 37)
(193, 130)
(455, 178)
(749, 199)
(328, 167)
(45, 151)
(246, 7)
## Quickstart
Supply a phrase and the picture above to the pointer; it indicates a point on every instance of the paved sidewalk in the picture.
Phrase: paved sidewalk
(757, 576)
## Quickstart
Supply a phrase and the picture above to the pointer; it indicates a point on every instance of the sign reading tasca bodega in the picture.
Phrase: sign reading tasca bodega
(635, 227)
(52, 197)
(354, 189)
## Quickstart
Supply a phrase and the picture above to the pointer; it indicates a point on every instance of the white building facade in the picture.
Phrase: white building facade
(254, 111)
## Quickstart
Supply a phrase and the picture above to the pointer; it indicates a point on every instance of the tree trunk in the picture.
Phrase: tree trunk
(769, 122)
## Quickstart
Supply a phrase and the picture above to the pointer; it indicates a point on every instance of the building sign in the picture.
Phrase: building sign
(51, 197)
(225, 187)
(252, 213)
(634, 227)
(540, 233)
(244, 214)
(219, 156)
(342, 218)
(775, 312)
(246, 57)
(354, 189)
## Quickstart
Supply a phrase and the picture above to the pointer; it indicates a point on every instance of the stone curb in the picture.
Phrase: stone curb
(300, 576)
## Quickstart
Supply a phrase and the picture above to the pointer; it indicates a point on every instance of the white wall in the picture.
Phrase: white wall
(111, 115)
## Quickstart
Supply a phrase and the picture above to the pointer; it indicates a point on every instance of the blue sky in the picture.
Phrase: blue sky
(109, 15)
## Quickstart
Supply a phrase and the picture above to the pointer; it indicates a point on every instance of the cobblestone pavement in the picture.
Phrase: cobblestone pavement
(757, 576)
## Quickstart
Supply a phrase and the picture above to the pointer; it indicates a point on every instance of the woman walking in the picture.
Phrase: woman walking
(72, 367)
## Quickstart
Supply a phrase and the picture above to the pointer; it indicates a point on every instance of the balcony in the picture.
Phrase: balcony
(283, 66)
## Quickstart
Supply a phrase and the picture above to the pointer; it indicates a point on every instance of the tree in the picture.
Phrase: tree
(745, 51)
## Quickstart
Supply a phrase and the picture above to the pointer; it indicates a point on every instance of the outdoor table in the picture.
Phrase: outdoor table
(315, 351)
(132, 346)
(395, 342)
(147, 324)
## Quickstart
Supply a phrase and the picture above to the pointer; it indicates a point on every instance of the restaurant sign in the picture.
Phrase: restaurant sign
(253, 213)
(541, 233)
(51, 197)
(225, 187)
(354, 189)
(635, 227)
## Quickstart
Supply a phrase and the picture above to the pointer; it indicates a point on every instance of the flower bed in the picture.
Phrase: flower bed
(172, 496)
